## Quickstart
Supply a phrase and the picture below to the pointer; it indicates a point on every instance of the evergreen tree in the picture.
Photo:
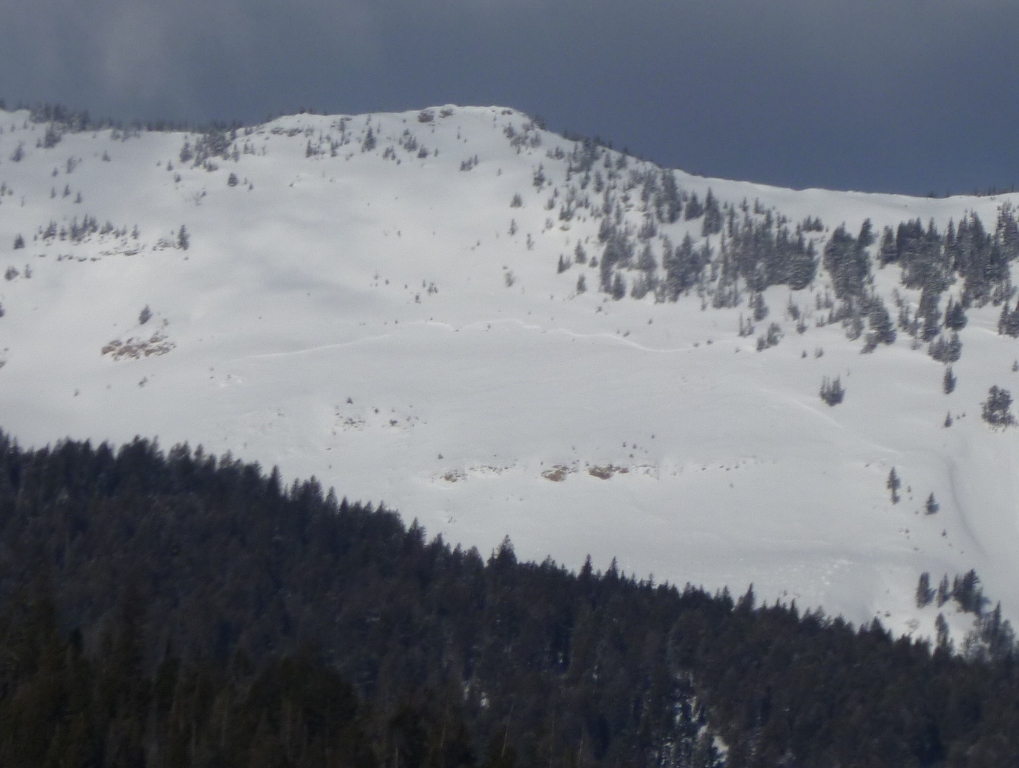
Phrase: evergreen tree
(887, 252)
(882, 331)
(618, 287)
(893, 484)
(694, 209)
(924, 592)
(996, 408)
(955, 316)
(948, 381)
(944, 592)
(712, 224)
(369, 141)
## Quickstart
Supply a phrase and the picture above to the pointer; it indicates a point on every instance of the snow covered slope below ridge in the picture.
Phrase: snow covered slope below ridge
(384, 311)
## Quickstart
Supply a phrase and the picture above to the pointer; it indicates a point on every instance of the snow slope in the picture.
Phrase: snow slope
(367, 317)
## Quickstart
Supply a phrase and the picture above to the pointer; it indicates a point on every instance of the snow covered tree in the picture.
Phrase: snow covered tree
(19, 242)
(183, 238)
(931, 506)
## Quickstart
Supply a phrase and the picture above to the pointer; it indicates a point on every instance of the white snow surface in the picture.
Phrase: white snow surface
(298, 330)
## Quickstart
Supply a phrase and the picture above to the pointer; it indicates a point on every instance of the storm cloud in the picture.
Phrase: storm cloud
(893, 95)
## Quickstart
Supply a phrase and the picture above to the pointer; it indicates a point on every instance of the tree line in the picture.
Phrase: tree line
(174, 603)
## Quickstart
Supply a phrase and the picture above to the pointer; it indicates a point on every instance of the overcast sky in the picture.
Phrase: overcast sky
(880, 95)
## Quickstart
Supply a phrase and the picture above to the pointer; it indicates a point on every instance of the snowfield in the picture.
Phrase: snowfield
(385, 319)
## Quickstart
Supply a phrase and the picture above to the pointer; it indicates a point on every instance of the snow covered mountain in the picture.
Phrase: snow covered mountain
(500, 331)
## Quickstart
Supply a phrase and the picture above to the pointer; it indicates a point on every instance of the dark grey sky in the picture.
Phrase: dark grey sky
(880, 95)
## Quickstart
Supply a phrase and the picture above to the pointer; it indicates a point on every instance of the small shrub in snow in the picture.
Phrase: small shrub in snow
(832, 391)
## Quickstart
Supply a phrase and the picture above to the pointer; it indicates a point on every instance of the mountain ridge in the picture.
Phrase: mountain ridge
(387, 253)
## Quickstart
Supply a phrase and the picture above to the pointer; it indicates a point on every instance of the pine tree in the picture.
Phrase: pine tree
(369, 141)
(948, 381)
(712, 216)
(694, 208)
(955, 316)
(996, 408)
(893, 485)
(944, 593)
(941, 628)
(931, 506)
(618, 287)
(888, 252)
(924, 592)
